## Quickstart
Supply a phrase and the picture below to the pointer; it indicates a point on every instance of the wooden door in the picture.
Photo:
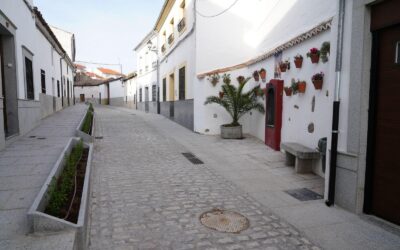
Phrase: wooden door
(171, 88)
(385, 195)
(82, 97)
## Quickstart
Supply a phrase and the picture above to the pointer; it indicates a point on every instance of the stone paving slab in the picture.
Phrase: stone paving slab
(146, 195)
(24, 167)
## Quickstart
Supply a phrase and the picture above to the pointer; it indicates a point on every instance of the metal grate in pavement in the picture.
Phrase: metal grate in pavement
(98, 137)
(304, 194)
(192, 158)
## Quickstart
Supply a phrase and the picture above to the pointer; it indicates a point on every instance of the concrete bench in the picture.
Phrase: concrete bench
(299, 156)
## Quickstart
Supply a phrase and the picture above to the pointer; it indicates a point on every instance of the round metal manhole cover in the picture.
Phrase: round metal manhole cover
(224, 221)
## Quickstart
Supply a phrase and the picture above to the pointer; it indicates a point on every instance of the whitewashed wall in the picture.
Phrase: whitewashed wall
(117, 89)
(181, 52)
(91, 92)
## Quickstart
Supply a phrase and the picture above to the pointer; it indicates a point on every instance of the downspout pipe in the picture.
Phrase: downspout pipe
(61, 81)
(336, 108)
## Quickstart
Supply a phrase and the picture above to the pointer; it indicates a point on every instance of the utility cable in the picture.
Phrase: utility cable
(222, 12)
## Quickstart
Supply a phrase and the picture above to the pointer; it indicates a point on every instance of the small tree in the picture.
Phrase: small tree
(235, 102)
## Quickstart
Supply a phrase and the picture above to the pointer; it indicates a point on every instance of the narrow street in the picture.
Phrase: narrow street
(146, 195)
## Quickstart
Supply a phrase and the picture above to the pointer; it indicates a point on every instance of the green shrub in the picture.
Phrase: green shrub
(91, 109)
(87, 123)
(61, 188)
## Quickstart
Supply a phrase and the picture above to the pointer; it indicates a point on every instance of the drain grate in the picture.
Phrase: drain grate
(192, 158)
(98, 137)
(32, 136)
(41, 138)
(304, 194)
(224, 221)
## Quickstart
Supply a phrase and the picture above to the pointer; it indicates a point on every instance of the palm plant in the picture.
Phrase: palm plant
(235, 101)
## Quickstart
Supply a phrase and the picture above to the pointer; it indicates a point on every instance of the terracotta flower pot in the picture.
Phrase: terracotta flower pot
(214, 82)
(263, 75)
(314, 58)
(221, 95)
(288, 91)
(318, 84)
(298, 62)
(256, 78)
(283, 67)
(302, 87)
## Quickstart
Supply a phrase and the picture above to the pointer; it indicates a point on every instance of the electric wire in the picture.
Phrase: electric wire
(220, 13)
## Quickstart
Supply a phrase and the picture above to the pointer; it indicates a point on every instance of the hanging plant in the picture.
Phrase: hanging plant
(302, 86)
(288, 91)
(263, 74)
(214, 79)
(318, 80)
(298, 61)
(295, 86)
(325, 50)
(284, 65)
(313, 54)
(256, 76)
(226, 78)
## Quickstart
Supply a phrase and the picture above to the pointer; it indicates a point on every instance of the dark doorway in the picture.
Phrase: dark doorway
(146, 99)
(270, 107)
(8, 79)
(68, 92)
(383, 169)
(82, 97)
(273, 116)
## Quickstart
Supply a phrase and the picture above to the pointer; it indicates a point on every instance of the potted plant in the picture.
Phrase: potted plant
(214, 79)
(226, 78)
(295, 86)
(318, 80)
(263, 74)
(298, 61)
(221, 94)
(284, 65)
(288, 91)
(237, 103)
(256, 76)
(313, 54)
(302, 86)
(325, 50)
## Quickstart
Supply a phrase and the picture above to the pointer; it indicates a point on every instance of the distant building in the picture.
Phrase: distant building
(107, 73)
(67, 40)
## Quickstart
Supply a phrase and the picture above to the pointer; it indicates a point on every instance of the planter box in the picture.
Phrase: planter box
(39, 221)
(231, 132)
(79, 133)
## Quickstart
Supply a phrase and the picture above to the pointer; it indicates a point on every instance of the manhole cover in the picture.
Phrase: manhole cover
(224, 221)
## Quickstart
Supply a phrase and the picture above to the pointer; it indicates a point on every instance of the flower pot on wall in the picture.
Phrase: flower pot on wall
(263, 75)
(288, 91)
(298, 62)
(318, 84)
(314, 58)
(283, 67)
(302, 87)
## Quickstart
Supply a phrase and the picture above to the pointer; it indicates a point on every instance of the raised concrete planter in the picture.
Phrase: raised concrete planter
(231, 132)
(40, 222)
(79, 133)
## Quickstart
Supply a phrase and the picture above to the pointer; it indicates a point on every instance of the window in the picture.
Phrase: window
(52, 56)
(182, 83)
(43, 80)
(58, 88)
(29, 79)
(164, 89)
(140, 95)
(153, 93)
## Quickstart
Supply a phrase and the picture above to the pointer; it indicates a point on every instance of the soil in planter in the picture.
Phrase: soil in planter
(87, 123)
(76, 202)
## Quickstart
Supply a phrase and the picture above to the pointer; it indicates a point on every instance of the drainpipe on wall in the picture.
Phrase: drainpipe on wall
(336, 107)
(61, 82)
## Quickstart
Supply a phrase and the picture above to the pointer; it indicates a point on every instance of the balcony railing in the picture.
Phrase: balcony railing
(154, 64)
(171, 38)
(163, 48)
(181, 24)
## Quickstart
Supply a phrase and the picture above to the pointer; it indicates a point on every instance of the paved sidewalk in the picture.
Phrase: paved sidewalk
(24, 166)
(146, 195)
(262, 174)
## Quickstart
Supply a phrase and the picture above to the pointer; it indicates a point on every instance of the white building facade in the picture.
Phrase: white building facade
(36, 72)
(146, 79)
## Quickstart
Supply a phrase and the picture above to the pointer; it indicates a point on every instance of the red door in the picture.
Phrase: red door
(273, 116)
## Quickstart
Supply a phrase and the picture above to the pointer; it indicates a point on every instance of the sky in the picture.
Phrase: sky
(106, 31)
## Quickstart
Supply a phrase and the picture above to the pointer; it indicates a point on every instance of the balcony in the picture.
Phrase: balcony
(171, 38)
(163, 48)
(181, 24)
(154, 64)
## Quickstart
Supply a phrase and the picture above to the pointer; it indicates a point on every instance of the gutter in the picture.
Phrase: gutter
(336, 108)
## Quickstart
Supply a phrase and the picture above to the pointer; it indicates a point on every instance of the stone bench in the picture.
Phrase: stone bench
(299, 156)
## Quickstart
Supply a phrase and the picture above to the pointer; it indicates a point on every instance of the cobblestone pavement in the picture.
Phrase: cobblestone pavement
(24, 167)
(146, 195)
